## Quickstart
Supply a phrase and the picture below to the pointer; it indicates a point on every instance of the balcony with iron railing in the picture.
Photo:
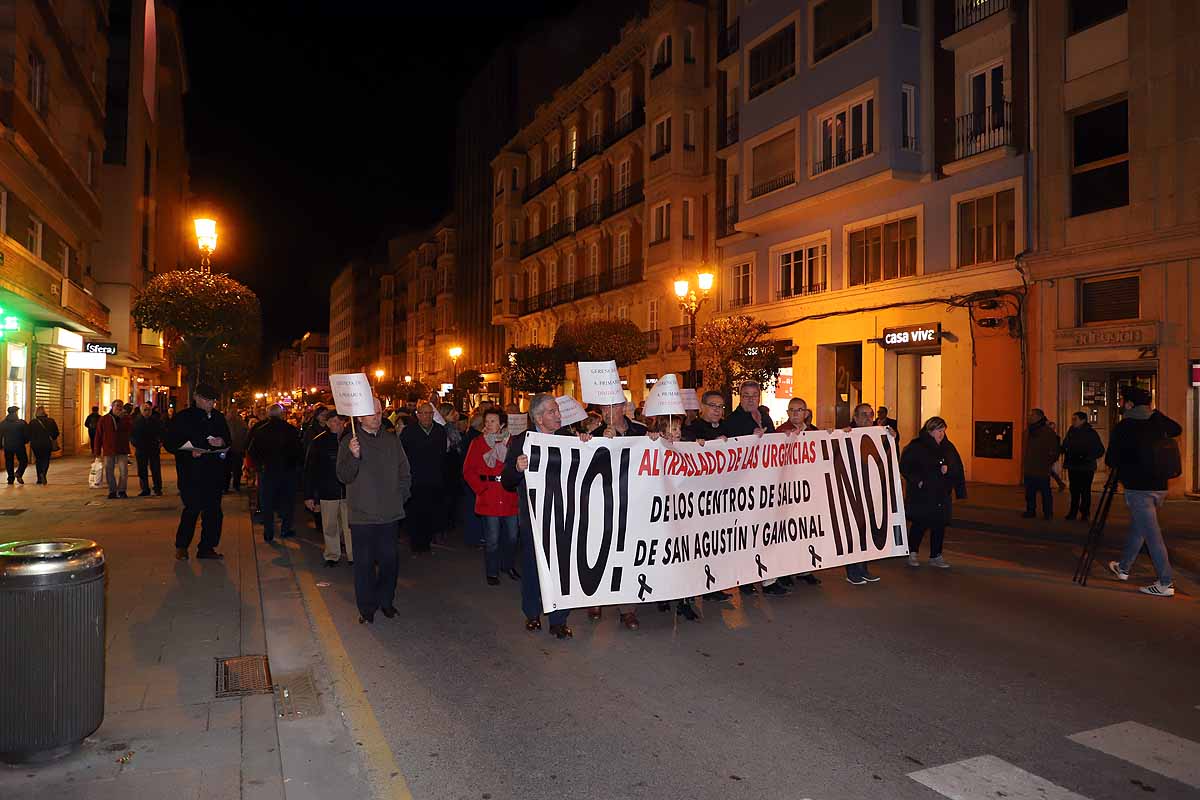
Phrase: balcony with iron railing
(626, 198)
(727, 220)
(681, 337)
(626, 125)
(728, 40)
(980, 131)
(968, 12)
(659, 68)
(591, 214)
(593, 145)
(652, 341)
(620, 275)
(728, 133)
(799, 290)
(842, 157)
(738, 300)
(773, 183)
(535, 187)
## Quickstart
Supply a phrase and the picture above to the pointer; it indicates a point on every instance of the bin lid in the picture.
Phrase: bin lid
(64, 558)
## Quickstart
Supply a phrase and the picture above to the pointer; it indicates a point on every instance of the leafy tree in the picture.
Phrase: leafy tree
(469, 381)
(536, 368)
(734, 349)
(617, 340)
(198, 312)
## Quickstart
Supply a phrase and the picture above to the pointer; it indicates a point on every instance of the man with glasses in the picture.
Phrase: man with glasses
(547, 418)
(707, 426)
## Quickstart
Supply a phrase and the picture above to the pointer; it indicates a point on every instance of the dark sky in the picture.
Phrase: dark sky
(318, 129)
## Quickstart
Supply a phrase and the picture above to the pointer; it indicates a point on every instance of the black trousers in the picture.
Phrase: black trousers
(233, 468)
(937, 536)
(16, 461)
(424, 516)
(200, 491)
(278, 497)
(376, 565)
(41, 462)
(1081, 491)
(149, 467)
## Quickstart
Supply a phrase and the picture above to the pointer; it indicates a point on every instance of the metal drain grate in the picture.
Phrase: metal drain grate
(242, 675)
(296, 697)
(12, 512)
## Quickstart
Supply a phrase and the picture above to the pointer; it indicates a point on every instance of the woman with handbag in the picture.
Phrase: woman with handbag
(43, 440)
(933, 473)
(495, 505)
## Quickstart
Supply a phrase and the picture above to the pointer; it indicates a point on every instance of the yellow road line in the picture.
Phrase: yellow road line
(382, 770)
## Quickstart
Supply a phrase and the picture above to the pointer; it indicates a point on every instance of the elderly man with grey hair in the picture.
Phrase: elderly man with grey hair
(276, 449)
(545, 418)
(425, 445)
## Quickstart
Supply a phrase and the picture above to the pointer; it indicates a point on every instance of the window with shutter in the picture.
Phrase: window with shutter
(773, 61)
(1109, 299)
(773, 164)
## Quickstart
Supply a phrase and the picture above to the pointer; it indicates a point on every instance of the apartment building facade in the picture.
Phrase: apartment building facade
(422, 281)
(52, 77)
(872, 167)
(302, 367)
(1116, 276)
(609, 193)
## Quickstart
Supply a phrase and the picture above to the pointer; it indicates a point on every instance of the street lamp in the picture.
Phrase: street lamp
(690, 301)
(378, 375)
(206, 239)
(455, 354)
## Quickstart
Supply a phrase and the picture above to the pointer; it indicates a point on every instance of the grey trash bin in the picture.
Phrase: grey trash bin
(51, 646)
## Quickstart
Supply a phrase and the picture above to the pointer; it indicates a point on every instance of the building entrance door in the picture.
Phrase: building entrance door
(918, 391)
(1097, 392)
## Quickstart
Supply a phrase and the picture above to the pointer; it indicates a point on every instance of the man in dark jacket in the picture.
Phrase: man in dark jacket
(425, 445)
(707, 425)
(375, 471)
(546, 418)
(90, 423)
(860, 574)
(276, 449)
(325, 494)
(1038, 455)
(747, 418)
(112, 444)
(14, 433)
(147, 439)
(43, 440)
(199, 437)
(1144, 457)
(1081, 447)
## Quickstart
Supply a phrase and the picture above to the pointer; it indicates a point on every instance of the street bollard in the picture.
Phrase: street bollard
(51, 647)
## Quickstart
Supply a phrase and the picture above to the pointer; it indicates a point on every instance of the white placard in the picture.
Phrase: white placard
(437, 417)
(601, 383)
(681, 519)
(691, 399)
(517, 423)
(352, 394)
(664, 399)
(570, 409)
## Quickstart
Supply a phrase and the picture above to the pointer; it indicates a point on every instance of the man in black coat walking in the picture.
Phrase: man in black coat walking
(425, 445)
(14, 434)
(1081, 447)
(199, 437)
(147, 439)
(277, 451)
(43, 440)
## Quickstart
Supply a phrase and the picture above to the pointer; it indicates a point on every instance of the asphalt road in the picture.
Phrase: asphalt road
(965, 683)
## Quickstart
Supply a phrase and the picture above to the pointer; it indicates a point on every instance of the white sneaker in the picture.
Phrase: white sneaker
(913, 561)
(1115, 569)
(1158, 590)
(939, 562)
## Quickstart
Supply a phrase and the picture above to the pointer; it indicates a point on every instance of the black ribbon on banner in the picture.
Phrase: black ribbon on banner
(643, 588)
(761, 567)
(709, 580)
(816, 559)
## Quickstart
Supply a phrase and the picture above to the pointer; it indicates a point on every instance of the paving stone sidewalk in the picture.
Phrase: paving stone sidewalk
(165, 733)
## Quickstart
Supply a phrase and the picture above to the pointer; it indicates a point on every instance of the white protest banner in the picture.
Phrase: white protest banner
(517, 423)
(570, 409)
(352, 395)
(691, 400)
(630, 520)
(664, 399)
(601, 383)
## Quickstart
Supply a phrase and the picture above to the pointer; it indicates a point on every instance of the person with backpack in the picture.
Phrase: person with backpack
(1144, 455)
(1081, 447)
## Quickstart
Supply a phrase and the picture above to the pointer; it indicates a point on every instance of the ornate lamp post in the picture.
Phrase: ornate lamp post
(206, 239)
(691, 300)
(455, 354)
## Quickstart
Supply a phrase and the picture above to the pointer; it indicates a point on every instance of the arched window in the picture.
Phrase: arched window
(689, 54)
(662, 51)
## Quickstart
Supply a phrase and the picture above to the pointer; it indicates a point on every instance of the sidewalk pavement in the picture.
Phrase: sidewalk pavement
(165, 734)
(992, 508)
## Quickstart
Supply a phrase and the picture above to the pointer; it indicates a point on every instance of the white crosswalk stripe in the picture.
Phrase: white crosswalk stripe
(1148, 748)
(988, 777)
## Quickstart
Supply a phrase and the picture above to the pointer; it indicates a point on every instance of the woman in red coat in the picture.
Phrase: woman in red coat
(495, 505)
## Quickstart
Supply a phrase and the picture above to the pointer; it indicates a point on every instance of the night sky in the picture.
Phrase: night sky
(317, 130)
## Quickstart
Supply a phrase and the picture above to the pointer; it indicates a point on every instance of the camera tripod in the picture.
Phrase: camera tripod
(1095, 532)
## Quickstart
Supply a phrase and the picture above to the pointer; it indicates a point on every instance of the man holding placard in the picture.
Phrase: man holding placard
(372, 465)
(200, 439)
